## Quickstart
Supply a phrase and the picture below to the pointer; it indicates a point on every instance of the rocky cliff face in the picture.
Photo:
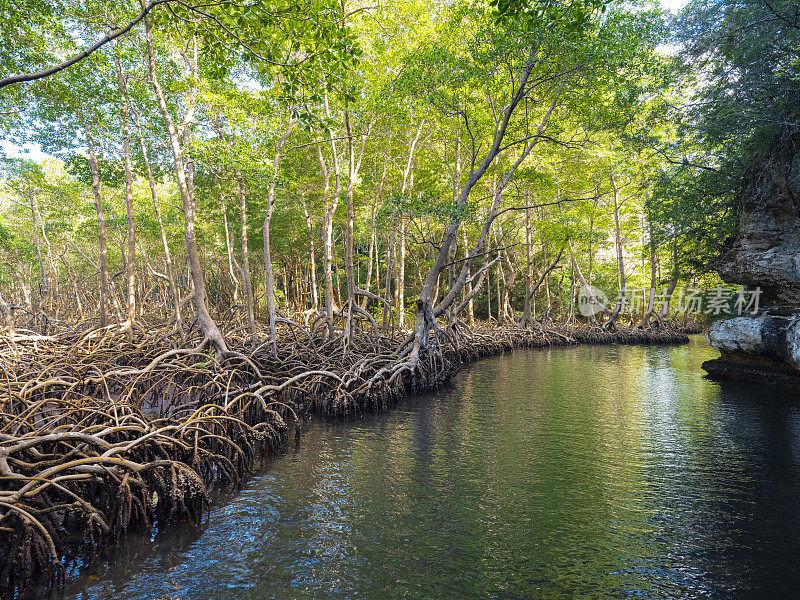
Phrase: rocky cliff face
(765, 249)
(764, 252)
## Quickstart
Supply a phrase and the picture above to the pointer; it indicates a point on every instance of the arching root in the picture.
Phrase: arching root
(101, 434)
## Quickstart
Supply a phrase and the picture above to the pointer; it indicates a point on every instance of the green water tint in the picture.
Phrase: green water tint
(589, 472)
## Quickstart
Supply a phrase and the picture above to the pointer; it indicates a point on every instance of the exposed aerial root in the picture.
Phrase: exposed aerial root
(98, 437)
(101, 433)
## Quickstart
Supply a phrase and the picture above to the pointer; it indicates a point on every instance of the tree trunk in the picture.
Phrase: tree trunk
(270, 275)
(426, 312)
(377, 267)
(571, 314)
(451, 270)
(206, 323)
(353, 166)
(337, 272)
(6, 320)
(173, 289)
(673, 283)
(388, 294)
(400, 290)
(229, 242)
(401, 232)
(612, 319)
(591, 297)
(489, 296)
(373, 236)
(468, 287)
(348, 231)
(73, 276)
(244, 269)
(548, 304)
(312, 257)
(508, 278)
(101, 225)
(653, 282)
(329, 205)
(49, 292)
(130, 263)
(591, 230)
(44, 280)
(543, 277)
(25, 288)
(499, 278)
(247, 282)
(508, 288)
(527, 314)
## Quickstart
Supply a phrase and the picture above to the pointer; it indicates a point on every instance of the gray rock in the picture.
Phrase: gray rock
(742, 334)
(764, 250)
(769, 338)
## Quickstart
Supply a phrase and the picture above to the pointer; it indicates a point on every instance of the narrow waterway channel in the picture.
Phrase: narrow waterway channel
(588, 472)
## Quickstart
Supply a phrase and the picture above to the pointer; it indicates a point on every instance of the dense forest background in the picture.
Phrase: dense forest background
(243, 161)
(254, 211)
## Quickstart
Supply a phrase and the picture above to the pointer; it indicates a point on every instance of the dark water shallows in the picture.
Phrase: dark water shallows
(589, 472)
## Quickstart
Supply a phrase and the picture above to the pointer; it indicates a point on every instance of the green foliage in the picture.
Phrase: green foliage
(6, 238)
(111, 173)
(428, 207)
(742, 76)
(445, 69)
(577, 13)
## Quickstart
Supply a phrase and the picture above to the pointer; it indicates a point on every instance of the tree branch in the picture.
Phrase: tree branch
(20, 78)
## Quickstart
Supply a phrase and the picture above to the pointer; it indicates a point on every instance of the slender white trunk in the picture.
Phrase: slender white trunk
(173, 289)
(312, 258)
(130, 263)
(183, 177)
(612, 319)
(101, 225)
(270, 275)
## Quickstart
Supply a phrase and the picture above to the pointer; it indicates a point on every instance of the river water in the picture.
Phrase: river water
(588, 472)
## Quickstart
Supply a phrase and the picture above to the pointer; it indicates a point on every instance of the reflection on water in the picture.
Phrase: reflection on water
(590, 472)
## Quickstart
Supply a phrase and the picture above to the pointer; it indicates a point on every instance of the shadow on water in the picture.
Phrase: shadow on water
(591, 472)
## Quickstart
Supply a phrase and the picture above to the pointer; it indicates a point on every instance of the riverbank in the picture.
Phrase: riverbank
(582, 471)
(102, 434)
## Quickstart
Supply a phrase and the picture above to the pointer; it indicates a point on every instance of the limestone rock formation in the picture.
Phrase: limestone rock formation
(770, 338)
(762, 347)
(764, 251)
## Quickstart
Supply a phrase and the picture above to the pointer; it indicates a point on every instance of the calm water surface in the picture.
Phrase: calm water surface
(590, 472)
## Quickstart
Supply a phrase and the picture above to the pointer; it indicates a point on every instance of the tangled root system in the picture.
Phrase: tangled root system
(102, 433)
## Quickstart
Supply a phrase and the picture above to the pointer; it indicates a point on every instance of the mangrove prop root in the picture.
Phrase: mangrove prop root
(102, 433)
